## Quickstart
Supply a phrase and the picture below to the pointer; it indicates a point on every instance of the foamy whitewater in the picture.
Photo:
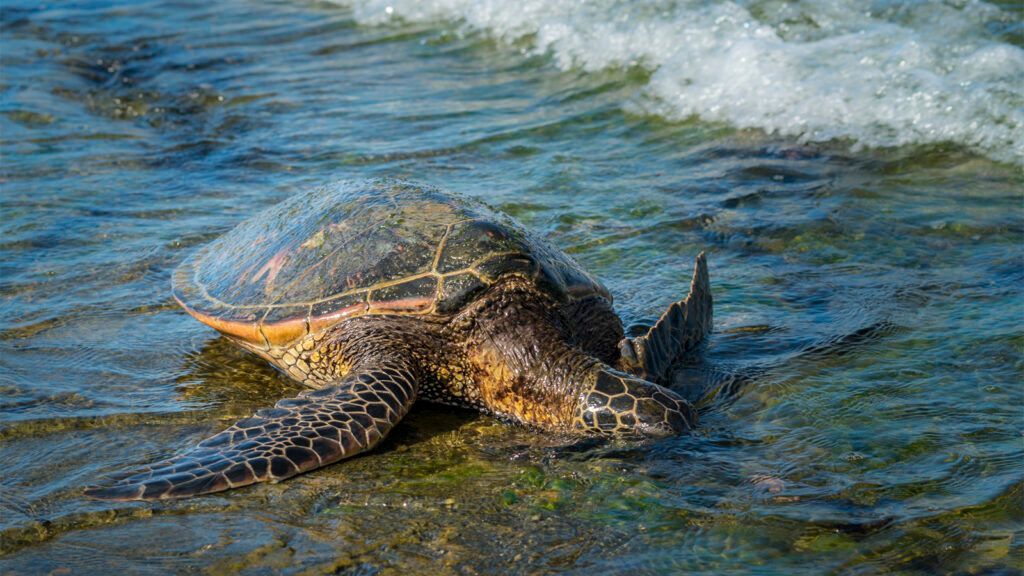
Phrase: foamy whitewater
(877, 73)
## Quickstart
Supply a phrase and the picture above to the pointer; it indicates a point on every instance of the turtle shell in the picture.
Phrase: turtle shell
(363, 247)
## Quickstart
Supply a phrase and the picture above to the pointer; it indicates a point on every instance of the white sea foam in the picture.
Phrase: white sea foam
(878, 73)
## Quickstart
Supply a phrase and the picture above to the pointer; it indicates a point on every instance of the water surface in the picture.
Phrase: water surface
(861, 398)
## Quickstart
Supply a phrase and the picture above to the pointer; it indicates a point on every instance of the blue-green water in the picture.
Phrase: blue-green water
(862, 408)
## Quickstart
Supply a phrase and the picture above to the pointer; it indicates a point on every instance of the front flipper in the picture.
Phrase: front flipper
(297, 435)
(680, 329)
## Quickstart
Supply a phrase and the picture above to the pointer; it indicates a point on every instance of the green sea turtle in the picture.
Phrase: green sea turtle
(376, 293)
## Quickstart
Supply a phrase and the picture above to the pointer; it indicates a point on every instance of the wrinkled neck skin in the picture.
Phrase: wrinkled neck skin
(520, 346)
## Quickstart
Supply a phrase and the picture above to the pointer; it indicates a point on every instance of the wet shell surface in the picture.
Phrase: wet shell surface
(363, 247)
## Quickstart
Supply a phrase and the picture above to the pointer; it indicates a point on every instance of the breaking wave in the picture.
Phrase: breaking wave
(878, 74)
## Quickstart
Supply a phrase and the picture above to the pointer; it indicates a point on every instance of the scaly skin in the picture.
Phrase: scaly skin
(514, 352)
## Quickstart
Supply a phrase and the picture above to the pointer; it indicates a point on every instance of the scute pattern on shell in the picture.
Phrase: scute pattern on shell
(380, 246)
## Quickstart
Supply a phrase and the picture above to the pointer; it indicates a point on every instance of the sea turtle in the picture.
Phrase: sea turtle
(376, 293)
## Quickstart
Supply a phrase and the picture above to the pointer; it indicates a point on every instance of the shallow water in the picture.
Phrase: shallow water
(861, 397)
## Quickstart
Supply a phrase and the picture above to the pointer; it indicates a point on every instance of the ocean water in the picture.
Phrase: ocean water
(854, 171)
(878, 74)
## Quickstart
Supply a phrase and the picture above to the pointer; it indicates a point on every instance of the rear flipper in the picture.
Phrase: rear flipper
(679, 330)
(297, 435)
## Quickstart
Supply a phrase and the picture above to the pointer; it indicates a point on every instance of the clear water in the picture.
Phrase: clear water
(861, 396)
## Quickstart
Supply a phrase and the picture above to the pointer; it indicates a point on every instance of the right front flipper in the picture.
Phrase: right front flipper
(297, 435)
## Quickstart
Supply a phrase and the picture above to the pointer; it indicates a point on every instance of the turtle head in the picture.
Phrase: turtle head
(617, 403)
